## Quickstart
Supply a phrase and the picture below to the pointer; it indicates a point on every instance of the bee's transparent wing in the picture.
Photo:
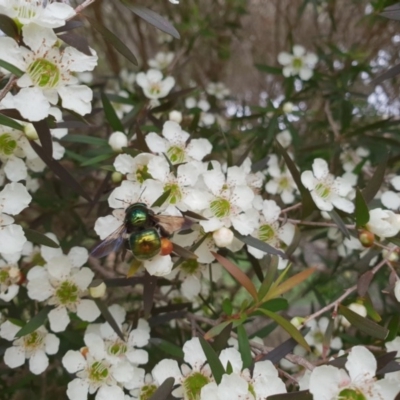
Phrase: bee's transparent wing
(110, 244)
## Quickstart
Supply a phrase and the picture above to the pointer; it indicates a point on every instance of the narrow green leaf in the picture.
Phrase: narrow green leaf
(216, 330)
(167, 347)
(11, 123)
(34, 323)
(339, 222)
(221, 339)
(375, 183)
(244, 346)
(40, 238)
(392, 12)
(288, 327)
(269, 69)
(105, 312)
(393, 327)
(164, 390)
(269, 277)
(96, 160)
(9, 67)
(161, 200)
(363, 324)
(45, 138)
(78, 42)
(258, 244)
(275, 305)
(111, 115)
(9, 27)
(362, 212)
(114, 40)
(227, 307)
(84, 139)
(306, 199)
(215, 364)
(153, 18)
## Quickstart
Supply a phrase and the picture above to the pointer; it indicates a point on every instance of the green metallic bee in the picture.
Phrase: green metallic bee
(146, 233)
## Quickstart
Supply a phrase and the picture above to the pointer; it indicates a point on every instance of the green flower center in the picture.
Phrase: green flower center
(193, 384)
(26, 10)
(142, 174)
(33, 340)
(117, 349)
(190, 266)
(67, 293)
(3, 275)
(155, 88)
(266, 233)
(351, 394)
(323, 190)
(220, 207)
(147, 391)
(297, 63)
(7, 144)
(175, 195)
(176, 155)
(284, 183)
(44, 73)
(98, 372)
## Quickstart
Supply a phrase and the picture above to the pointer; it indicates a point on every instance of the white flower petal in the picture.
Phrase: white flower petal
(76, 98)
(73, 361)
(38, 362)
(87, 310)
(59, 319)
(78, 389)
(14, 356)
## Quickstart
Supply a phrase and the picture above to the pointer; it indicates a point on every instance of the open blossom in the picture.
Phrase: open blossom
(62, 283)
(49, 14)
(358, 382)
(384, 223)
(300, 63)
(161, 60)
(48, 73)
(218, 89)
(175, 145)
(326, 190)
(34, 346)
(10, 278)
(153, 84)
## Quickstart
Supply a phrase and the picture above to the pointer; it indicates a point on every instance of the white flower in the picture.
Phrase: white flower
(284, 138)
(326, 190)
(120, 106)
(33, 346)
(232, 387)
(153, 84)
(63, 284)
(383, 223)
(328, 382)
(175, 116)
(161, 60)
(316, 335)
(299, 63)
(40, 12)
(48, 73)
(10, 277)
(391, 199)
(352, 158)
(117, 141)
(176, 146)
(217, 89)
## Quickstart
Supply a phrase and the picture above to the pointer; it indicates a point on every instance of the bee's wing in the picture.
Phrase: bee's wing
(184, 253)
(111, 243)
(170, 224)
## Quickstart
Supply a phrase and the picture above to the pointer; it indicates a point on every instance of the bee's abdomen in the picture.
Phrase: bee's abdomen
(145, 244)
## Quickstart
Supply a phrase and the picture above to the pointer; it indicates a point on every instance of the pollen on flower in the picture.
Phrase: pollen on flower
(98, 372)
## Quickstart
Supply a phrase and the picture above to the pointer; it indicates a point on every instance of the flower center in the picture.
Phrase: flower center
(351, 394)
(220, 207)
(9, 275)
(322, 190)
(297, 63)
(142, 173)
(67, 293)
(284, 183)
(193, 384)
(33, 340)
(147, 391)
(44, 73)
(175, 195)
(155, 88)
(176, 155)
(266, 233)
(117, 349)
(98, 372)
(26, 9)
(7, 144)
(190, 266)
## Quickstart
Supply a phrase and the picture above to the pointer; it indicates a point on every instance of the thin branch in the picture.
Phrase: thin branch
(334, 126)
(8, 87)
(85, 4)
(291, 208)
(312, 223)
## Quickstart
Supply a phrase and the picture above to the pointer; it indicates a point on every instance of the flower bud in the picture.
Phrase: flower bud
(366, 238)
(397, 290)
(391, 255)
(98, 291)
(175, 116)
(30, 132)
(287, 107)
(358, 309)
(117, 141)
(116, 177)
(297, 321)
(223, 237)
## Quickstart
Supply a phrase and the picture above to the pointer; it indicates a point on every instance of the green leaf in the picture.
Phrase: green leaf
(34, 323)
(306, 199)
(168, 347)
(9, 67)
(113, 40)
(111, 115)
(221, 339)
(45, 138)
(258, 244)
(269, 69)
(244, 347)
(164, 390)
(227, 306)
(216, 330)
(84, 139)
(363, 324)
(339, 222)
(275, 305)
(97, 159)
(40, 238)
(362, 212)
(288, 327)
(153, 18)
(269, 277)
(161, 200)
(215, 364)
(11, 123)
(9, 27)
(375, 183)
(393, 328)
